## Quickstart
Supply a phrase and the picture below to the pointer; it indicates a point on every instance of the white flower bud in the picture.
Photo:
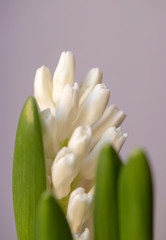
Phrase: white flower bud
(48, 124)
(64, 170)
(120, 140)
(80, 141)
(93, 77)
(94, 106)
(112, 136)
(112, 116)
(66, 110)
(84, 236)
(79, 208)
(64, 73)
(43, 88)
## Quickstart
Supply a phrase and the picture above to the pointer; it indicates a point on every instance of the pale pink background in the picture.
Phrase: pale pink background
(125, 39)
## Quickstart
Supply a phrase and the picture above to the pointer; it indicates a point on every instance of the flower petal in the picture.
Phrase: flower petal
(43, 88)
(93, 77)
(64, 73)
(112, 116)
(94, 106)
(64, 170)
(66, 110)
(80, 141)
(49, 133)
(79, 207)
(113, 136)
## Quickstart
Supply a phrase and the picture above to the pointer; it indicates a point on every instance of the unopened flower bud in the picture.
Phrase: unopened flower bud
(64, 170)
(93, 77)
(49, 133)
(112, 116)
(80, 141)
(64, 73)
(79, 208)
(43, 89)
(113, 136)
(120, 140)
(94, 106)
(66, 110)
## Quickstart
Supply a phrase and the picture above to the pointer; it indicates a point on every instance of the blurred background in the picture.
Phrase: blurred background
(125, 39)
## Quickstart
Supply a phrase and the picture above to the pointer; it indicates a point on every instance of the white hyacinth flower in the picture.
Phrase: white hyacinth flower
(112, 116)
(43, 89)
(113, 136)
(93, 77)
(49, 133)
(64, 73)
(64, 170)
(80, 141)
(76, 123)
(66, 110)
(94, 106)
(79, 208)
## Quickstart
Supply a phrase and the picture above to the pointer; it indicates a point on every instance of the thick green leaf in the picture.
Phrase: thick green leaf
(51, 223)
(29, 176)
(135, 198)
(106, 206)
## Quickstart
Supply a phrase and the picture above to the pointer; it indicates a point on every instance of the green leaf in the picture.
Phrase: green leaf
(29, 176)
(106, 206)
(135, 198)
(51, 223)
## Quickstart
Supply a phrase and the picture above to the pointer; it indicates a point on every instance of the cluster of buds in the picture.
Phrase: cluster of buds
(76, 123)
